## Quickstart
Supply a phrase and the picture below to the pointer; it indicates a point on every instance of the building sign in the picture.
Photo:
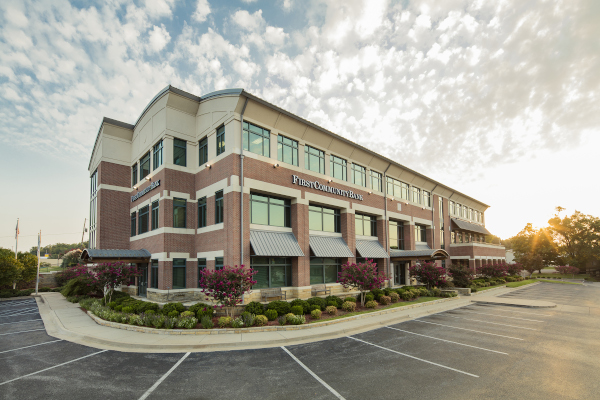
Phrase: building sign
(325, 188)
(152, 186)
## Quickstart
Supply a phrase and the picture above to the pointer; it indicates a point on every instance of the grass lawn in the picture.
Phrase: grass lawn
(563, 282)
(394, 305)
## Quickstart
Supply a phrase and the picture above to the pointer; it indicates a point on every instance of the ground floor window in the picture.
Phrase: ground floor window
(219, 263)
(324, 270)
(272, 271)
(154, 274)
(179, 273)
(201, 267)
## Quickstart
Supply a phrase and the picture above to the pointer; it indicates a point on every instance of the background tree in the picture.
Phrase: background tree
(532, 243)
(577, 237)
(29, 270)
(10, 268)
(58, 249)
(532, 263)
(71, 258)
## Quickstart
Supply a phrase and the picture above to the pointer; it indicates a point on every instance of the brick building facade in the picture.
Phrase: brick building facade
(171, 184)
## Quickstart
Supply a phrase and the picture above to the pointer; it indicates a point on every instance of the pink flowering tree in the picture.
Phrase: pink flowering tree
(108, 276)
(227, 286)
(567, 270)
(494, 270)
(429, 273)
(361, 276)
(514, 269)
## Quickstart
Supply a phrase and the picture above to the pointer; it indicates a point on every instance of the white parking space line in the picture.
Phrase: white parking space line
(33, 345)
(503, 316)
(162, 378)
(413, 357)
(465, 329)
(493, 323)
(19, 314)
(321, 381)
(20, 322)
(55, 366)
(14, 333)
(17, 304)
(514, 311)
(449, 341)
(16, 312)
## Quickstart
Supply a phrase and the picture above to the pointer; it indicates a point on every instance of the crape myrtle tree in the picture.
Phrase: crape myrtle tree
(429, 273)
(227, 286)
(490, 270)
(461, 275)
(362, 276)
(567, 270)
(108, 276)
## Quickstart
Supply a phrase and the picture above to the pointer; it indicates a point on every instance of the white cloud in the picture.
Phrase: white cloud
(275, 36)
(247, 21)
(202, 11)
(159, 8)
(158, 38)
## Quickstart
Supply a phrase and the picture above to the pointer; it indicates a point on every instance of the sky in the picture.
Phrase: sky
(496, 99)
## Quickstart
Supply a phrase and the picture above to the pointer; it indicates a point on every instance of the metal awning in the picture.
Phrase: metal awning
(329, 246)
(433, 254)
(467, 226)
(100, 255)
(371, 249)
(275, 244)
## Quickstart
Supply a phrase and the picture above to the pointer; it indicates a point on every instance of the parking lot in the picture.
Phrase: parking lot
(477, 351)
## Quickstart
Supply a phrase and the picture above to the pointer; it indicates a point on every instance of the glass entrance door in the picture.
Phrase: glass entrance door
(399, 273)
(143, 280)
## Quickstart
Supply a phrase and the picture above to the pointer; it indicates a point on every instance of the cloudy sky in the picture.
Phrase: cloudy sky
(497, 99)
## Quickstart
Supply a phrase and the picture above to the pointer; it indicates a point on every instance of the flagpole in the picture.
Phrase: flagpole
(37, 280)
(17, 238)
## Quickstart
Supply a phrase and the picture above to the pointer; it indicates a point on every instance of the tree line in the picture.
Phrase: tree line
(58, 249)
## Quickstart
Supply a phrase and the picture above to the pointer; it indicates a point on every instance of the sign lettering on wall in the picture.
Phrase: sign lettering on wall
(152, 186)
(319, 186)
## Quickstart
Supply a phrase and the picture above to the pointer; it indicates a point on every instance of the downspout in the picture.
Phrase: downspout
(385, 221)
(242, 183)
(433, 216)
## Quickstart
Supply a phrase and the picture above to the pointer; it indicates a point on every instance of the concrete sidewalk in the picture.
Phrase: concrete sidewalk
(65, 320)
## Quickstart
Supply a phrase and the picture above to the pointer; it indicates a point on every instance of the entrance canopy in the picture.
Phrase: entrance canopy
(467, 226)
(100, 256)
(422, 252)
(275, 244)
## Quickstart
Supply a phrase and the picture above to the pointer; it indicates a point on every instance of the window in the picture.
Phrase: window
(426, 198)
(365, 225)
(420, 233)
(202, 212)
(465, 213)
(157, 157)
(155, 215)
(460, 237)
(179, 152)
(268, 210)
(396, 235)
(467, 237)
(219, 207)
(470, 213)
(323, 219)
(396, 188)
(272, 272)
(94, 183)
(133, 231)
(416, 195)
(452, 237)
(256, 139)
(218, 262)
(376, 181)
(201, 267)
(481, 216)
(442, 242)
(359, 175)
(221, 140)
(459, 209)
(178, 273)
(143, 219)
(203, 151)
(314, 159)
(337, 167)
(179, 213)
(441, 211)
(452, 207)
(324, 270)
(287, 150)
(134, 175)
(154, 274)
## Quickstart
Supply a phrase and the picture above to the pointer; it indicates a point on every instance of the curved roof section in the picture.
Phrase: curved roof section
(438, 254)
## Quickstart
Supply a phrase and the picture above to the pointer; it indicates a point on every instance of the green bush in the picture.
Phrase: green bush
(317, 301)
(127, 310)
(387, 291)
(331, 310)
(187, 322)
(377, 293)
(415, 293)
(224, 322)
(260, 320)
(369, 297)
(150, 312)
(167, 308)
(289, 316)
(271, 315)
(119, 308)
(424, 291)
(351, 299)
(248, 319)
(435, 292)
(332, 304)
(385, 300)
(296, 320)
(371, 304)
(315, 307)
(135, 320)
(338, 301)
(302, 303)
(282, 307)
(394, 297)
(237, 323)
(187, 314)
(207, 322)
(112, 304)
(408, 295)
(282, 320)
(254, 307)
(170, 322)
(350, 306)
(297, 310)
(316, 313)
(202, 309)
(173, 314)
(158, 321)
(145, 306)
(76, 287)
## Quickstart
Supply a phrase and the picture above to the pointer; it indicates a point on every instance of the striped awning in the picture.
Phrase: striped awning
(329, 246)
(467, 226)
(275, 244)
(371, 249)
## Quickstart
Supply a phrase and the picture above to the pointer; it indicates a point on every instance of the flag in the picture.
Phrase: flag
(17, 230)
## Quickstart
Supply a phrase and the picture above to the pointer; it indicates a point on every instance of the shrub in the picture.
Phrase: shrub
(462, 276)
(385, 300)
(207, 322)
(145, 306)
(282, 320)
(371, 304)
(408, 295)
(254, 307)
(282, 307)
(248, 319)
(369, 297)
(237, 323)
(331, 310)
(297, 310)
(170, 322)
(135, 320)
(317, 301)
(77, 287)
(297, 320)
(117, 308)
(302, 303)
(424, 291)
(336, 300)
(315, 307)
(349, 306)
(201, 309)
(173, 314)
(332, 304)
(150, 312)
(415, 293)
(289, 316)
(316, 313)
(394, 297)
(167, 308)
(187, 322)
(271, 315)
(158, 321)
(387, 291)
(351, 299)
(187, 314)
(224, 322)
(428, 273)
(260, 320)
(435, 292)
(377, 293)
(127, 310)
(400, 291)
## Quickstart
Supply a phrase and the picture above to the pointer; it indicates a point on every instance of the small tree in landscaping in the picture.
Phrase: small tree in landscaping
(514, 269)
(361, 276)
(532, 263)
(227, 285)
(110, 275)
(461, 275)
(567, 270)
(429, 274)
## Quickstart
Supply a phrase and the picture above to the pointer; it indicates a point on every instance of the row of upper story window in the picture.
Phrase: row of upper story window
(462, 211)
(466, 237)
